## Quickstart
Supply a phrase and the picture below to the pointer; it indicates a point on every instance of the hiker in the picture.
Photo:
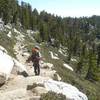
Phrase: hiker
(35, 58)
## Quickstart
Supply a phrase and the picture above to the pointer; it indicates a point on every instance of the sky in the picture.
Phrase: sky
(66, 8)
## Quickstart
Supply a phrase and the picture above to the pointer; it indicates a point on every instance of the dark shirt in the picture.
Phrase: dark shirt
(35, 57)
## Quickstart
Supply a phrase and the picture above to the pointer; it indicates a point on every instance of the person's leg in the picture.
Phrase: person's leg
(35, 69)
(38, 69)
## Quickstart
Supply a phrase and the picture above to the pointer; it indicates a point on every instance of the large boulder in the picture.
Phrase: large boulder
(6, 65)
(71, 92)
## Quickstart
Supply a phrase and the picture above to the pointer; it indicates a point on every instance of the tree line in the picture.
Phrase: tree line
(79, 35)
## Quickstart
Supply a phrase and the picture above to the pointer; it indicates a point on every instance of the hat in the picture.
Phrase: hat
(37, 47)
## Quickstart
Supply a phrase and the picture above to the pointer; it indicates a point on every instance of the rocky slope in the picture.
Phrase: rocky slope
(19, 86)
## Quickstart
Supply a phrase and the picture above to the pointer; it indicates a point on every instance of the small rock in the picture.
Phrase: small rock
(2, 79)
(39, 90)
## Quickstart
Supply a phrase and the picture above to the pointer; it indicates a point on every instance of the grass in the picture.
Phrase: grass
(7, 43)
(52, 96)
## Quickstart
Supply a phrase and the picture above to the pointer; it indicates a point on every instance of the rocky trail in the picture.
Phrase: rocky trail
(16, 87)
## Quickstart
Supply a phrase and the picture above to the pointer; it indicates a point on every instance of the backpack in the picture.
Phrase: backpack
(35, 56)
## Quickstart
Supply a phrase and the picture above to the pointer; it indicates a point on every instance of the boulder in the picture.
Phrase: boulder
(7, 64)
(71, 92)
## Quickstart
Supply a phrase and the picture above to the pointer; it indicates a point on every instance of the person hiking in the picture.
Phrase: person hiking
(35, 58)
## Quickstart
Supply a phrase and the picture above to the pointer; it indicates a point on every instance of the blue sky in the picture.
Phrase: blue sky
(73, 8)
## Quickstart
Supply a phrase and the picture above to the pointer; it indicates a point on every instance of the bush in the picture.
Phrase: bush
(52, 96)
(37, 37)
(30, 87)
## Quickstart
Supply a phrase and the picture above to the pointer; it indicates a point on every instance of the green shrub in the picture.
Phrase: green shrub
(30, 87)
(7, 43)
(37, 37)
(55, 77)
(52, 96)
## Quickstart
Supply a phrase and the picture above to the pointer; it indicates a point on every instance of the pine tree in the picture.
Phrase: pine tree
(93, 72)
(98, 55)
(80, 65)
(25, 16)
(35, 20)
(13, 10)
(5, 10)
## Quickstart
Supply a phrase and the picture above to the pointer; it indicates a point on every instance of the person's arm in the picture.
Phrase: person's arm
(29, 59)
(40, 56)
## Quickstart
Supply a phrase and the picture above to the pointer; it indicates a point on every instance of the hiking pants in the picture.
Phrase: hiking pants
(36, 68)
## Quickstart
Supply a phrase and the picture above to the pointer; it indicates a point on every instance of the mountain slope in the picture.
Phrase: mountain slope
(18, 44)
(17, 84)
